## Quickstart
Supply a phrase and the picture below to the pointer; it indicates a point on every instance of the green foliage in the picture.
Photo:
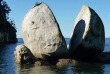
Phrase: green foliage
(36, 4)
(4, 18)
(12, 23)
(4, 9)
(7, 26)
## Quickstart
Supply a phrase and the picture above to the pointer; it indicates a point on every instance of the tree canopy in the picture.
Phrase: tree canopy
(7, 26)
(4, 17)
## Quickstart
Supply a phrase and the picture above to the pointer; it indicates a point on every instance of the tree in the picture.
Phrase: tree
(7, 28)
(4, 15)
(4, 9)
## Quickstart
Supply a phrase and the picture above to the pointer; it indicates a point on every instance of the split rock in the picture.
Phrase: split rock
(42, 35)
(88, 37)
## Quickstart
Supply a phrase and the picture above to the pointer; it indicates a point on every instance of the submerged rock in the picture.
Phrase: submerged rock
(88, 37)
(103, 58)
(42, 35)
(23, 55)
(66, 62)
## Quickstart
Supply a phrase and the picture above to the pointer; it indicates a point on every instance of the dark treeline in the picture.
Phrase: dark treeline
(7, 26)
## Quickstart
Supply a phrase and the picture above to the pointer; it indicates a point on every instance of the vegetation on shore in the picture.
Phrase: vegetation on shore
(7, 26)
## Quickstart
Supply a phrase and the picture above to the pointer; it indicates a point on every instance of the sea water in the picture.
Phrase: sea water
(8, 66)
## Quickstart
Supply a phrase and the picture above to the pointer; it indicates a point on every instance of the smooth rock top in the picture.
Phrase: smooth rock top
(88, 37)
(41, 33)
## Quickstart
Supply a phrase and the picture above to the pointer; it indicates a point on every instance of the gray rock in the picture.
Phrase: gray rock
(23, 55)
(88, 37)
(41, 33)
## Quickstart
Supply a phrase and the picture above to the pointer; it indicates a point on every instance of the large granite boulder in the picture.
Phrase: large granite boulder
(88, 37)
(41, 33)
(23, 55)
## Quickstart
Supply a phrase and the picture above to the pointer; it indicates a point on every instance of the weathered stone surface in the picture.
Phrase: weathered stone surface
(66, 62)
(88, 37)
(41, 33)
(23, 55)
(8, 37)
(38, 63)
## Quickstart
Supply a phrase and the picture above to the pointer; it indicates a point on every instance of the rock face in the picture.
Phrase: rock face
(23, 55)
(8, 37)
(88, 37)
(7, 33)
(41, 33)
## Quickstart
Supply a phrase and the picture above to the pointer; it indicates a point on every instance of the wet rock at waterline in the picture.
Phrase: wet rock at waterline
(66, 62)
(23, 55)
(41, 33)
(103, 58)
(88, 36)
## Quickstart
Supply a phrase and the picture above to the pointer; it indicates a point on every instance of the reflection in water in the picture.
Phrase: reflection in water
(8, 66)
(88, 68)
(32, 69)
(7, 60)
(80, 68)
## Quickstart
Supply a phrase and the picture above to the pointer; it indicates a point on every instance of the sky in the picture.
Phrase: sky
(65, 12)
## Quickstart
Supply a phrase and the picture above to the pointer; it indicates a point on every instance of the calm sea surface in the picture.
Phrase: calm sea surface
(8, 66)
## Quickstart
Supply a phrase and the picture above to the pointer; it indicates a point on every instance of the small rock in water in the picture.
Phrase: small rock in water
(23, 55)
(103, 58)
(38, 63)
(65, 62)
